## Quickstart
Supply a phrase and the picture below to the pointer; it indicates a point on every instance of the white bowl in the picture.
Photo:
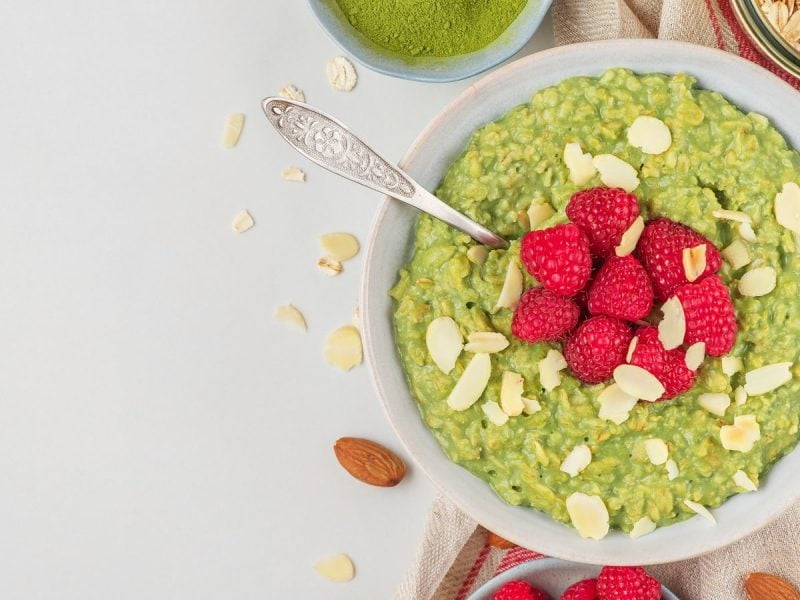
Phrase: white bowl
(745, 84)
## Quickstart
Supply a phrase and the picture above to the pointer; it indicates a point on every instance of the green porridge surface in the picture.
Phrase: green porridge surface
(719, 158)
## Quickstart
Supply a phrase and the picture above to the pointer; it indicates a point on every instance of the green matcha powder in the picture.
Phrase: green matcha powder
(431, 27)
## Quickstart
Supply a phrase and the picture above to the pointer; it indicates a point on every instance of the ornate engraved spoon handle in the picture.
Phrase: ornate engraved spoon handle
(330, 144)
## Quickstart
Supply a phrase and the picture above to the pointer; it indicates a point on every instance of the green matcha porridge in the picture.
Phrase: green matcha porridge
(513, 174)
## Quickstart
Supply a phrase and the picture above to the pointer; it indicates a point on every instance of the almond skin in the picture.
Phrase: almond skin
(369, 462)
(495, 541)
(763, 586)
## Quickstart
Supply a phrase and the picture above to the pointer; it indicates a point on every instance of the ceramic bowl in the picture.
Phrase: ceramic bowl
(432, 69)
(747, 85)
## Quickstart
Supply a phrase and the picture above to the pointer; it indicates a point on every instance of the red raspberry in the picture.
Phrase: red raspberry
(627, 583)
(583, 590)
(676, 378)
(519, 590)
(661, 251)
(622, 289)
(709, 314)
(596, 348)
(603, 214)
(544, 316)
(558, 257)
(649, 352)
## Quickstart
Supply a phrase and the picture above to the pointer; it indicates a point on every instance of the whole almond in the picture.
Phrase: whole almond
(369, 462)
(495, 541)
(763, 586)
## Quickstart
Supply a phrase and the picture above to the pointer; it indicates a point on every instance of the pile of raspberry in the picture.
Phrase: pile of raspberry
(596, 302)
(613, 583)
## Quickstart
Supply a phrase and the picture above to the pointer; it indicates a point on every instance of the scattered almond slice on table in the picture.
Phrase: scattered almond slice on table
(341, 74)
(538, 213)
(580, 165)
(742, 435)
(657, 451)
(550, 368)
(650, 135)
(615, 404)
(630, 238)
(472, 382)
(767, 378)
(741, 479)
(642, 527)
(338, 567)
(694, 262)
(787, 207)
(343, 348)
(293, 174)
(588, 514)
(764, 586)
(339, 246)
(243, 222)
(700, 510)
(291, 316)
(672, 328)
(715, 403)
(615, 172)
(445, 343)
(758, 282)
(232, 131)
(291, 92)
(638, 382)
(695, 355)
(736, 254)
(511, 393)
(330, 266)
(512, 287)
(494, 413)
(486, 341)
(577, 460)
(369, 462)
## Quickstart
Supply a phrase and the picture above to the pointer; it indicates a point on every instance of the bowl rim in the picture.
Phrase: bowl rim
(594, 553)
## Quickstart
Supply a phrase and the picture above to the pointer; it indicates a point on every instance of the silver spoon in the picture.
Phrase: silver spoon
(330, 144)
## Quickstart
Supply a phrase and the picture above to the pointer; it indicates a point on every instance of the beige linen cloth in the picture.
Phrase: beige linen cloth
(454, 558)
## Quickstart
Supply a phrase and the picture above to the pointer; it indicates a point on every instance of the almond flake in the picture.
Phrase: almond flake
(339, 246)
(672, 328)
(657, 451)
(291, 92)
(329, 266)
(232, 131)
(736, 254)
(650, 135)
(486, 341)
(444, 342)
(539, 213)
(615, 405)
(638, 382)
(242, 222)
(694, 262)
(747, 233)
(494, 413)
(787, 206)
(740, 436)
(700, 510)
(767, 378)
(343, 348)
(758, 282)
(472, 382)
(341, 74)
(511, 393)
(577, 460)
(531, 407)
(631, 349)
(291, 316)
(478, 254)
(740, 396)
(741, 479)
(715, 403)
(549, 369)
(581, 168)
(630, 238)
(588, 514)
(615, 172)
(293, 174)
(336, 568)
(695, 355)
(672, 469)
(642, 527)
(731, 365)
(512, 287)
(732, 215)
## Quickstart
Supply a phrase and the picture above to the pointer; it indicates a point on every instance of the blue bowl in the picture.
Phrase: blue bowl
(432, 69)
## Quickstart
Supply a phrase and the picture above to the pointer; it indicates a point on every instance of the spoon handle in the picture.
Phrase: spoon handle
(330, 144)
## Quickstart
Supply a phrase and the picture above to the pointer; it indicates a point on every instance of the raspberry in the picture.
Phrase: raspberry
(622, 289)
(544, 316)
(603, 214)
(596, 348)
(558, 257)
(661, 248)
(627, 583)
(649, 352)
(519, 590)
(676, 378)
(709, 314)
(583, 590)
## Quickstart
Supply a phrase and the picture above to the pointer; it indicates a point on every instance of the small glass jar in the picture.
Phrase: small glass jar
(766, 35)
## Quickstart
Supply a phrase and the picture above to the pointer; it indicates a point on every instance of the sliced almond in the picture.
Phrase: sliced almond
(291, 92)
(741, 479)
(657, 450)
(736, 254)
(715, 403)
(472, 382)
(234, 123)
(700, 510)
(695, 355)
(742, 435)
(631, 348)
(343, 348)
(787, 206)
(242, 222)
(486, 341)
(732, 215)
(672, 328)
(531, 407)
(767, 378)
(550, 368)
(588, 514)
(630, 238)
(445, 343)
(341, 74)
(758, 282)
(694, 262)
(731, 365)
(291, 316)
(538, 213)
(339, 246)
(740, 396)
(293, 174)
(638, 382)
(672, 469)
(642, 527)
(329, 266)
(512, 287)
(494, 413)
(581, 168)
(577, 460)
(747, 233)
(478, 254)
(615, 172)
(338, 567)
(615, 404)
(511, 393)
(650, 135)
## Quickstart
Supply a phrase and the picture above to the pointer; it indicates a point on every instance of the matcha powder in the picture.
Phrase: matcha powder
(431, 27)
